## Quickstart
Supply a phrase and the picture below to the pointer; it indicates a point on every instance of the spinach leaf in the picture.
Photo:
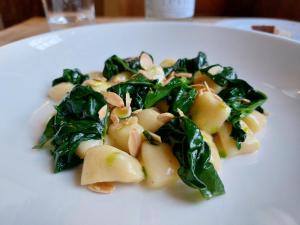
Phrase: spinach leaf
(188, 65)
(243, 99)
(177, 92)
(222, 78)
(76, 120)
(138, 87)
(193, 154)
(115, 65)
(72, 76)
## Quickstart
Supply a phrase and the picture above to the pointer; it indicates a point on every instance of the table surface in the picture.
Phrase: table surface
(39, 25)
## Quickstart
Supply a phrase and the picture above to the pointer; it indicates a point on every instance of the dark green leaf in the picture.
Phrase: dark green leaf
(243, 100)
(138, 87)
(221, 78)
(72, 76)
(188, 65)
(76, 120)
(193, 154)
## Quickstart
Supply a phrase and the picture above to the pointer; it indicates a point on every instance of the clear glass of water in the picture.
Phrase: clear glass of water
(68, 13)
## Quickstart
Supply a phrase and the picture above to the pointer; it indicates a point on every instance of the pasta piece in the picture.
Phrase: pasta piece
(148, 119)
(84, 146)
(214, 157)
(200, 78)
(108, 164)
(209, 112)
(119, 133)
(227, 145)
(255, 121)
(160, 164)
(57, 92)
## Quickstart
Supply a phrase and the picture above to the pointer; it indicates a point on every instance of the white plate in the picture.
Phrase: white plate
(260, 189)
(291, 27)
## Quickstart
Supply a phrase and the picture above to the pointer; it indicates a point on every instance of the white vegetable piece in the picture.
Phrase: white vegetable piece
(148, 119)
(160, 164)
(255, 121)
(84, 146)
(57, 92)
(209, 112)
(227, 145)
(200, 78)
(108, 164)
(214, 157)
(119, 133)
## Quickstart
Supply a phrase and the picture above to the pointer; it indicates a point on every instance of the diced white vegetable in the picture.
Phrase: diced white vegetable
(200, 78)
(57, 92)
(214, 157)
(147, 118)
(255, 121)
(119, 133)
(84, 146)
(209, 112)
(159, 163)
(227, 145)
(108, 164)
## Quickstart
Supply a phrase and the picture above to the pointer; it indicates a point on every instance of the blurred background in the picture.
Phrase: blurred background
(16, 11)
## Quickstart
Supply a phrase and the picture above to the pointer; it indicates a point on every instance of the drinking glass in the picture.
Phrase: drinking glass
(66, 13)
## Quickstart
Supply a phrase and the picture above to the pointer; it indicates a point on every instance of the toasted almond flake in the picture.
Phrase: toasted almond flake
(165, 117)
(155, 137)
(98, 78)
(187, 75)
(180, 112)
(134, 142)
(102, 187)
(167, 63)
(245, 100)
(215, 70)
(170, 77)
(145, 61)
(102, 112)
(137, 111)
(114, 118)
(128, 99)
(113, 99)
(207, 87)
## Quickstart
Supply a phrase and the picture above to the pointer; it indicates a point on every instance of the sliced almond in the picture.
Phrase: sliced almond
(155, 137)
(146, 61)
(102, 187)
(165, 117)
(180, 112)
(102, 112)
(134, 142)
(170, 77)
(128, 100)
(114, 118)
(186, 75)
(113, 99)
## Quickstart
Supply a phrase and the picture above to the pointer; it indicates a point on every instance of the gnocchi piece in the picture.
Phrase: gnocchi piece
(200, 78)
(214, 157)
(108, 164)
(227, 145)
(84, 146)
(57, 92)
(119, 133)
(160, 164)
(148, 119)
(255, 121)
(209, 112)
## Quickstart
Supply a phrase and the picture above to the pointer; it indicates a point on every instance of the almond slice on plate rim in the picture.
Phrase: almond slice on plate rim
(165, 117)
(102, 187)
(134, 142)
(146, 61)
(113, 99)
(102, 112)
